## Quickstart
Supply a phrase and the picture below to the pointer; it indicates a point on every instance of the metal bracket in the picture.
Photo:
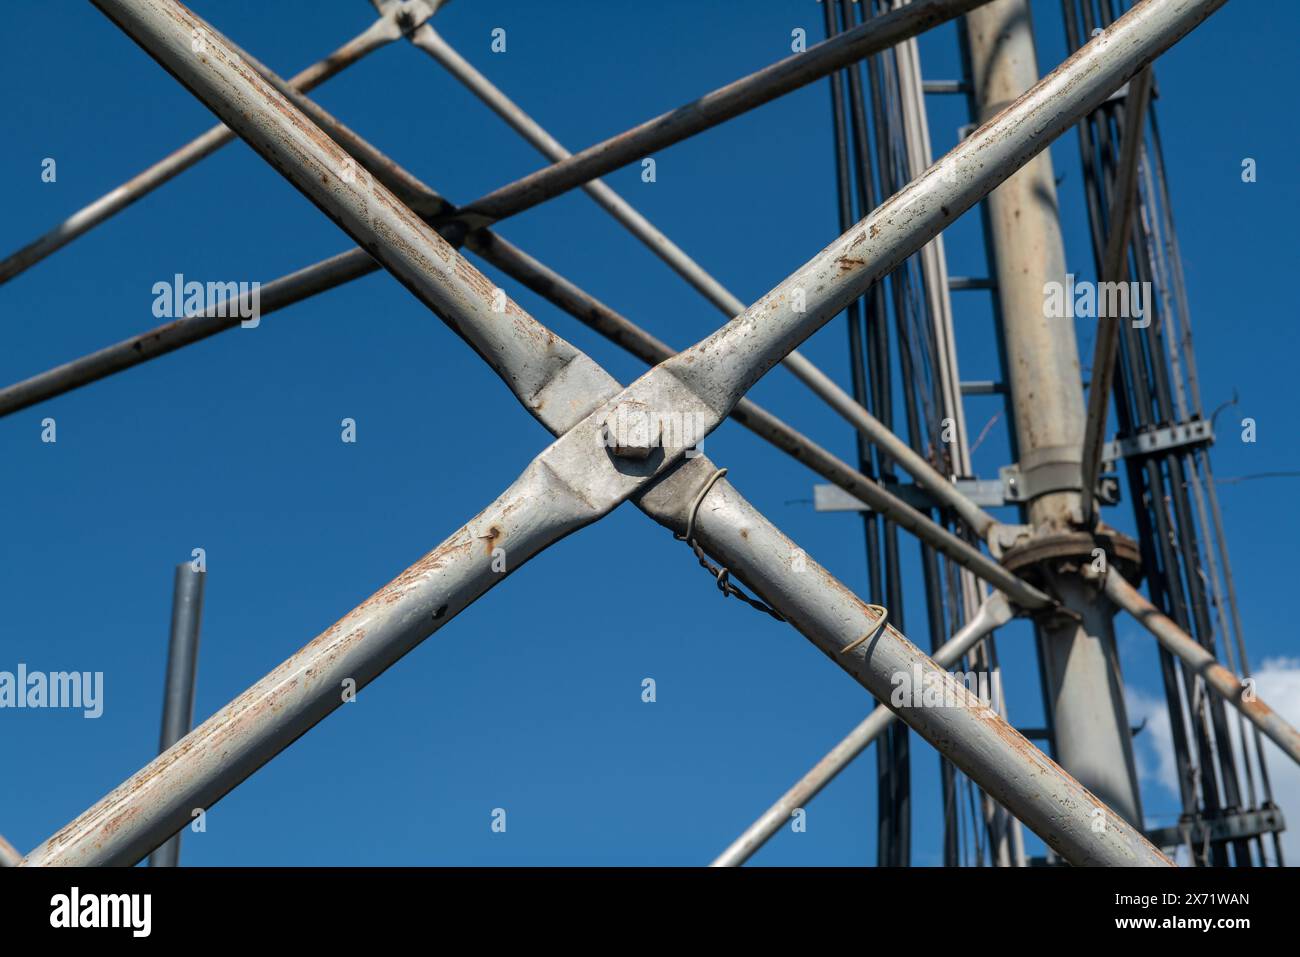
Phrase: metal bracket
(1194, 433)
(1232, 826)
(1053, 469)
(986, 493)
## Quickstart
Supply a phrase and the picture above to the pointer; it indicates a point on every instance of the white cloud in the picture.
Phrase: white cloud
(1277, 682)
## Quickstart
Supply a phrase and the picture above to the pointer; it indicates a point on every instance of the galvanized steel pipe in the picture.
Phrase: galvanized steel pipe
(1115, 258)
(993, 612)
(138, 815)
(182, 667)
(875, 36)
(971, 734)
(941, 489)
(1202, 663)
(382, 31)
(724, 366)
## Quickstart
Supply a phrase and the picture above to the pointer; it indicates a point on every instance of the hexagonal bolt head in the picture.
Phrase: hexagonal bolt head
(631, 430)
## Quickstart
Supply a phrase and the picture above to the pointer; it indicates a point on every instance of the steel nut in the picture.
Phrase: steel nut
(631, 430)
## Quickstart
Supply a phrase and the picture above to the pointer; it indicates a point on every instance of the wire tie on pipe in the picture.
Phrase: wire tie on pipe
(882, 615)
(695, 506)
(722, 576)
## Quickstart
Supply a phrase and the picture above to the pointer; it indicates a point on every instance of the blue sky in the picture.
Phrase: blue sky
(530, 701)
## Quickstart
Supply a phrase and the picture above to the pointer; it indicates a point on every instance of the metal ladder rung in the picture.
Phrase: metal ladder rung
(983, 388)
(963, 283)
(944, 86)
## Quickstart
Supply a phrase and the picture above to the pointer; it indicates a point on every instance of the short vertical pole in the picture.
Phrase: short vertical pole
(178, 693)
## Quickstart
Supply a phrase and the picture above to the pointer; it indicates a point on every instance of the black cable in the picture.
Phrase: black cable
(885, 851)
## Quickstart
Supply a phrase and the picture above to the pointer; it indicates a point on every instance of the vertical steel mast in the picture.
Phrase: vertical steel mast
(1081, 666)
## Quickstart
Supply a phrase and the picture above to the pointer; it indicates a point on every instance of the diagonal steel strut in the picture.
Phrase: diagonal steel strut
(747, 93)
(517, 264)
(383, 31)
(598, 484)
(1200, 661)
(708, 111)
(943, 491)
(993, 612)
(1114, 261)
(873, 36)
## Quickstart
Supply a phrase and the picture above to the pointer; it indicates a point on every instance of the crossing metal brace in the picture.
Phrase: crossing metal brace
(577, 480)
(708, 111)
(940, 487)
(517, 264)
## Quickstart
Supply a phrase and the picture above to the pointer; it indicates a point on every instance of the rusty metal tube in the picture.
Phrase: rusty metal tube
(967, 731)
(941, 489)
(876, 35)
(228, 747)
(173, 335)
(724, 366)
(382, 31)
(514, 262)
(1201, 662)
(1114, 257)
(992, 613)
